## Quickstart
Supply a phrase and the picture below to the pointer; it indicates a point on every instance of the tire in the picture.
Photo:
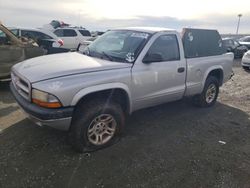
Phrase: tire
(89, 121)
(206, 99)
(246, 68)
(77, 49)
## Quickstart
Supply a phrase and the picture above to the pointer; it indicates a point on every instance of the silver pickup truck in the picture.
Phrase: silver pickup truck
(124, 70)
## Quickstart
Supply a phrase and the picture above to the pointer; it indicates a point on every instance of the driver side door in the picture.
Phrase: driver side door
(160, 76)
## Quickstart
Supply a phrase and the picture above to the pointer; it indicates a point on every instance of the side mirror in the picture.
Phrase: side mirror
(150, 58)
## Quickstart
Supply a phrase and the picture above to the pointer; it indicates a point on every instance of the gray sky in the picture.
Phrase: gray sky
(105, 14)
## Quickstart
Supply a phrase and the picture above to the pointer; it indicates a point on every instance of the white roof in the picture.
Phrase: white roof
(36, 29)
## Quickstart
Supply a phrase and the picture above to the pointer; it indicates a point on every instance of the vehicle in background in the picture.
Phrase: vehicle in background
(245, 62)
(124, 70)
(97, 33)
(46, 39)
(245, 41)
(14, 50)
(84, 44)
(72, 36)
(234, 46)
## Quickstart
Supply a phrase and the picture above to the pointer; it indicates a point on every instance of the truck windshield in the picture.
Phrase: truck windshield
(118, 45)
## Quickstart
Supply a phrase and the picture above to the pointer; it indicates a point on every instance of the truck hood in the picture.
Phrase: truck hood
(57, 65)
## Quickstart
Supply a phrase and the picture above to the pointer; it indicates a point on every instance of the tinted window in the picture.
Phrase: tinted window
(69, 33)
(167, 47)
(59, 32)
(202, 43)
(228, 42)
(4, 39)
(2, 34)
(15, 31)
(34, 35)
(85, 33)
(247, 39)
(42, 35)
(236, 43)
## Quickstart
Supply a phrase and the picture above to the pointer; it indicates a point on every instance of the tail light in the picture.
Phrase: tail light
(60, 41)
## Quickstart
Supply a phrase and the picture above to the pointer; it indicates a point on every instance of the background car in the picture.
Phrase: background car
(245, 41)
(46, 39)
(84, 44)
(245, 62)
(72, 36)
(97, 33)
(14, 50)
(234, 46)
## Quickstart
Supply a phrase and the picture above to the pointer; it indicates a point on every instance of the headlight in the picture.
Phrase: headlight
(45, 99)
(247, 55)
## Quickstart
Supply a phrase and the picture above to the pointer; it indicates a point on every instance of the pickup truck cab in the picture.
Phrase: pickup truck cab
(124, 70)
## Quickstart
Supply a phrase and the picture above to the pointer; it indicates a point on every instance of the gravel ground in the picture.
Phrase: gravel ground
(172, 145)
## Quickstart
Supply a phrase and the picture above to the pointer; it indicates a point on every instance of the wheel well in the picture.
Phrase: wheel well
(117, 95)
(217, 73)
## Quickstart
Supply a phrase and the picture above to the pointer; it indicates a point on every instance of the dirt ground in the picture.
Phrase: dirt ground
(172, 145)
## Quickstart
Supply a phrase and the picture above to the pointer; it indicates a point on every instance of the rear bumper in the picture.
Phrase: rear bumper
(57, 118)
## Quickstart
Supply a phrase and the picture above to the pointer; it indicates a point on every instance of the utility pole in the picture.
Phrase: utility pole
(238, 25)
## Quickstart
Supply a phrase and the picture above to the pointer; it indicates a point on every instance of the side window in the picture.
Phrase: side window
(41, 35)
(164, 48)
(248, 39)
(231, 42)
(59, 32)
(15, 32)
(4, 39)
(69, 33)
(85, 33)
(236, 43)
(28, 34)
(35, 35)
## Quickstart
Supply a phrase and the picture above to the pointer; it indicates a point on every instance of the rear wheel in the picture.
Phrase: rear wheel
(209, 94)
(96, 125)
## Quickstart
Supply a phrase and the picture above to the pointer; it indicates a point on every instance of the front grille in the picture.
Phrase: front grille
(245, 63)
(21, 85)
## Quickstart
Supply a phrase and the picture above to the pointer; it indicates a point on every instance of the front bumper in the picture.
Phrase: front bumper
(245, 64)
(57, 118)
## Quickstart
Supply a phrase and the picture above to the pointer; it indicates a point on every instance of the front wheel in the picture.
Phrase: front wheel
(96, 125)
(209, 94)
(246, 68)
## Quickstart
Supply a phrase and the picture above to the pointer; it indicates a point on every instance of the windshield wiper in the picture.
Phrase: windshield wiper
(108, 56)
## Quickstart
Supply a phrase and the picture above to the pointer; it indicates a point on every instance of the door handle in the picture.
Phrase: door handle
(181, 69)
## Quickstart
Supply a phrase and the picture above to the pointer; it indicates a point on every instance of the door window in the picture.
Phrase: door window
(164, 48)
(35, 35)
(69, 33)
(59, 32)
(85, 33)
(4, 39)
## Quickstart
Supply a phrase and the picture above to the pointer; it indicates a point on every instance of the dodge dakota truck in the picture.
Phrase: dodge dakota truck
(91, 94)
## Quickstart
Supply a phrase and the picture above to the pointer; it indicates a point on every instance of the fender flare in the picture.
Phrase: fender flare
(92, 89)
(210, 69)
